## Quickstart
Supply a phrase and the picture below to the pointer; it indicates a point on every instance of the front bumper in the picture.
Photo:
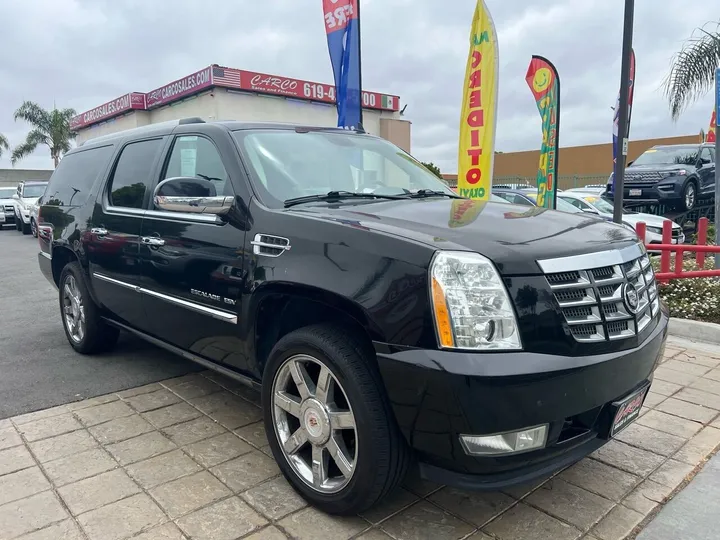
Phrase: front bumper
(666, 191)
(439, 395)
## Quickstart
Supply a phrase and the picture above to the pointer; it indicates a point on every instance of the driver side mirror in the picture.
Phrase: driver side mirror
(190, 195)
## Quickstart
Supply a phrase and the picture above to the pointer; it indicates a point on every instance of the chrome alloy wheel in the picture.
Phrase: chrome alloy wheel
(73, 310)
(314, 423)
(690, 196)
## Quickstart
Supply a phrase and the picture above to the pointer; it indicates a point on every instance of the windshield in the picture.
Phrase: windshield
(287, 164)
(562, 205)
(7, 193)
(602, 205)
(671, 155)
(35, 190)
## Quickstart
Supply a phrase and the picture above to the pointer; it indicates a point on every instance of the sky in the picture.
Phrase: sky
(82, 53)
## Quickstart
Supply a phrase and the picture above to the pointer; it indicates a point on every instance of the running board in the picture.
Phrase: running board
(247, 381)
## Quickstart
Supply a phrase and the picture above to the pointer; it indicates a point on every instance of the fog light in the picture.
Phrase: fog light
(512, 442)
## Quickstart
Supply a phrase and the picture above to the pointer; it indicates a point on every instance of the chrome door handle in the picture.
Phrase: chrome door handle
(152, 241)
(99, 231)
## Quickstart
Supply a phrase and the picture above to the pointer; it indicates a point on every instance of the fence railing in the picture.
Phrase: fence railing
(667, 248)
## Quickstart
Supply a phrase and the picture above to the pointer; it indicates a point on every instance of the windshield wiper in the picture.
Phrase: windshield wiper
(422, 193)
(337, 195)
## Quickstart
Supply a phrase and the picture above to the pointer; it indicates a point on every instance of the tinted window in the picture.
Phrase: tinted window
(132, 173)
(197, 157)
(75, 176)
(705, 156)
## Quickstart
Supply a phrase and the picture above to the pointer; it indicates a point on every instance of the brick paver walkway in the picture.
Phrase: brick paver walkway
(188, 459)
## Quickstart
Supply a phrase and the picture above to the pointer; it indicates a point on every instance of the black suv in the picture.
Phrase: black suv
(677, 175)
(386, 320)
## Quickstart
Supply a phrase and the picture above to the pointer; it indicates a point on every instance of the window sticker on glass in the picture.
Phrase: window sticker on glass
(188, 159)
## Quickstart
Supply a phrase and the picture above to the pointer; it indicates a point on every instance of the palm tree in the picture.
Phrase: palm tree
(3, 144)
(51, 128)
(692, 72)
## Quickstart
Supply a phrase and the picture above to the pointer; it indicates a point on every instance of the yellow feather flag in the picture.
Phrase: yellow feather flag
(478, 118)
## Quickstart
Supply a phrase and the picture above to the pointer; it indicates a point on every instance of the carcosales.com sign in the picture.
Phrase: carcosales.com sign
(133, 100)
(180, 88)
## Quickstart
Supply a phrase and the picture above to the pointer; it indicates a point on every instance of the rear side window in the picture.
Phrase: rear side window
(72, 181)
(131, 178)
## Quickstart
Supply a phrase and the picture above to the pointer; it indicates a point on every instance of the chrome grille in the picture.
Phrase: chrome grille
(590, 290)
(643, 177)
(9, 208)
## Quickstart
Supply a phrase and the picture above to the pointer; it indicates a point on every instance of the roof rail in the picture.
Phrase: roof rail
(191, 120)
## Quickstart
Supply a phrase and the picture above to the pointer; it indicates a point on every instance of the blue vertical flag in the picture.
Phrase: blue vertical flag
(342, 24)
(616, 118)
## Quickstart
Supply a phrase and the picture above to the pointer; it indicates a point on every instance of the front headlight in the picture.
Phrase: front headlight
(471, 306)
(654, 230)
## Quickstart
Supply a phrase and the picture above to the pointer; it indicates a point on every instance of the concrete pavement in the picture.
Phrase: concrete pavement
(187, 458)
(38, 368)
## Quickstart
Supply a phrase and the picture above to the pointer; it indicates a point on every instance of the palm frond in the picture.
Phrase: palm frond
(34, 115)
(692, 71)
(32, 141)
(3, 144)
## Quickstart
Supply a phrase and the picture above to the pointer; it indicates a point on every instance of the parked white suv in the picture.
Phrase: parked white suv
(7, 205)
(590, 202)
(25, 199)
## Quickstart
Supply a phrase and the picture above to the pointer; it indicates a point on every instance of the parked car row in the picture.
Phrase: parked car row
(580, 200)
(20, 205)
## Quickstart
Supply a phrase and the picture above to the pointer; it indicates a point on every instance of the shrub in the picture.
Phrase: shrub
(692, 298)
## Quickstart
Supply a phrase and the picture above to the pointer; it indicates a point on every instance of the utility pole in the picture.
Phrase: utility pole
(619, 172)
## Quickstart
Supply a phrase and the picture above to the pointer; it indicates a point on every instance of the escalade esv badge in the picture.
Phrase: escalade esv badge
(210, 296)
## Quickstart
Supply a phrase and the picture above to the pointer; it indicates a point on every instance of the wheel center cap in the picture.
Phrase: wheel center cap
(315, 420)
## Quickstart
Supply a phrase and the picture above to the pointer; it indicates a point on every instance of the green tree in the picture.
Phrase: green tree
(51, 128)
(692, 70)
(3, 144)
(433, 169)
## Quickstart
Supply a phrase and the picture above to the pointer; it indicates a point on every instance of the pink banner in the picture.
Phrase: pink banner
(116, 107)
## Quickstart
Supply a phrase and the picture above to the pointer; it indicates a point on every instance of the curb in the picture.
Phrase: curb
(695, 330)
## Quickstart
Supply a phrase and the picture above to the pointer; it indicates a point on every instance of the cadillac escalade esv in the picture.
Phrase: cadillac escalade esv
(387, 322)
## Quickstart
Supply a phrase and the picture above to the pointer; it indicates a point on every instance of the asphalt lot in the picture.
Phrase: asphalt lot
(38, 368)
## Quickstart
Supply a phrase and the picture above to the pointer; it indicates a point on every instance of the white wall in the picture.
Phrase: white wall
(127, 121)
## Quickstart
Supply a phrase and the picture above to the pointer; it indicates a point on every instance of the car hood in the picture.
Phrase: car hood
(7, 201)
(512, 236)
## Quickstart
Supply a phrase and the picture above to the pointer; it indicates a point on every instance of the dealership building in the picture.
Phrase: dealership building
(221, 93)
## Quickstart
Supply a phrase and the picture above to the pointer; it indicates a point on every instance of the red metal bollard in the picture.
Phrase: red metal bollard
(641, 230)
(701, 241)
(666, 240)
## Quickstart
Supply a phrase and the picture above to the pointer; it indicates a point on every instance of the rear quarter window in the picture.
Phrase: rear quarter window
(73, 180)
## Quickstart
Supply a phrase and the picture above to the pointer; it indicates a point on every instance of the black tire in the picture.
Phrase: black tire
(98, 335)
(18, 223)
(33, 228)
(382, 453)
(25, 228)
(689, 188)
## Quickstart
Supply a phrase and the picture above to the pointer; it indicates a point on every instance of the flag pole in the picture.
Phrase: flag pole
(619, 172)
(360, 63)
